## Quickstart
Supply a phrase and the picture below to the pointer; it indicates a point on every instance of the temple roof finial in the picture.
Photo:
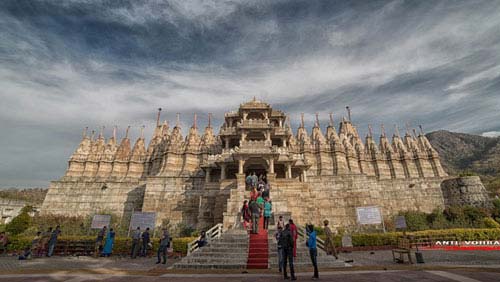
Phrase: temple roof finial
(92, 133)
(317, 119)
(415, 132)
(126, 132)
(84, 134)
(142, 131)
(383, 129)
(348, 113)
(158, 117)
(101, 131)
(331, 119)
(421, 129)
(210, 120)
(177, 123)
(114, 132)
(194, 121)
(301, 119)
(370, 130)
(407, 128)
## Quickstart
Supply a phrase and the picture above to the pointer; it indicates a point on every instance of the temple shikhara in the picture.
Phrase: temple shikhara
(199, 179)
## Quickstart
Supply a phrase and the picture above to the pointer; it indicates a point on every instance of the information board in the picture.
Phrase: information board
(346, 241)
(400, 222)
(100, 220)
(143, 220)
(369, 215)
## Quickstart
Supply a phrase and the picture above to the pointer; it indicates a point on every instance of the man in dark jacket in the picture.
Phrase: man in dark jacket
(145, 242)
(286, 243)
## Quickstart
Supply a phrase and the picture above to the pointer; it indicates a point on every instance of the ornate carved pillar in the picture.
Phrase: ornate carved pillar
(241, 163)
(207, 174)
(226, 141)
(222, 171)
(271, 165)
(284, 142)
(304, 175)
(288, 170)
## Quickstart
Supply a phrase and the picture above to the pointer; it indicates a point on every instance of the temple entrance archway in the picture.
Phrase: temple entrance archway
(258, 166)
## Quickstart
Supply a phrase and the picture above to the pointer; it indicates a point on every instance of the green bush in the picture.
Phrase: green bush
(20, 223)
(415, 220)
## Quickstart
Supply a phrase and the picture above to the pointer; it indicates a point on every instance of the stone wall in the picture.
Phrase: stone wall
(462, 191)
(9, 209)
(80, 197)
(335, 198)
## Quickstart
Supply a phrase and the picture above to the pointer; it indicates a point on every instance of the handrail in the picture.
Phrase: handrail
(303, 234)
(211, 234)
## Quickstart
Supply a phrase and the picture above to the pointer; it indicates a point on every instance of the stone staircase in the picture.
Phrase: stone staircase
(228, 252)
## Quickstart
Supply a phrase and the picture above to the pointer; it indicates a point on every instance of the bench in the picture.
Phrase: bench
(403, 248)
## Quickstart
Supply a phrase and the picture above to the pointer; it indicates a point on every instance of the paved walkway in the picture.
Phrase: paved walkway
(344, 276)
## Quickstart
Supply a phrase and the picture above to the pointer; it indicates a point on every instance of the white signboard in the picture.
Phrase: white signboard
(346, 241)
(100, 220)
(143, 220)
(369, 215)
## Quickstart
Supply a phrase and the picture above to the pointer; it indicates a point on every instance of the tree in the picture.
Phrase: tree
(21, 222)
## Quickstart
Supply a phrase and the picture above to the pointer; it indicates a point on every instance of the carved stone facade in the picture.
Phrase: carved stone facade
(199, 180)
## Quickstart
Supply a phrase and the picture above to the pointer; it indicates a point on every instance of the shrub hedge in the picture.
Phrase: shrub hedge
(121, 246)
(390, 238)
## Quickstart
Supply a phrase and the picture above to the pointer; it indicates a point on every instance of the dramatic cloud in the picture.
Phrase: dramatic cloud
(66, 64)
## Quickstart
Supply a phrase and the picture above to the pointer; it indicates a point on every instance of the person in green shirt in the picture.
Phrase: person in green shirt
(268, 208)
(260, 202)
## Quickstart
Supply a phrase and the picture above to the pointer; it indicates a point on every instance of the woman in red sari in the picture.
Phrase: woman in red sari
(254, 194)
(295, 235)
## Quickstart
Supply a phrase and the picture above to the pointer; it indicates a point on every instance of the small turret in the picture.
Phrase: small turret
(317, 136)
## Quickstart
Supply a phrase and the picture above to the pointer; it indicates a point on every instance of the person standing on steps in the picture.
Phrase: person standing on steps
(260, 202)
(313, 251)
(255, 210)
(287, 243)
(281, 222)
(99, 242)
(268, 208)
(295, 235)
(255, 179)
(110, 241)
(329, 242)
(280, 248)
(246, 215)
(248, 181)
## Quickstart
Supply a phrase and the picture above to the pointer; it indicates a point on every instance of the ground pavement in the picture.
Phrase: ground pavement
(463, 266)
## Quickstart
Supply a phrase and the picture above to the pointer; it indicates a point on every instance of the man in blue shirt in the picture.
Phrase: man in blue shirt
(313, 251)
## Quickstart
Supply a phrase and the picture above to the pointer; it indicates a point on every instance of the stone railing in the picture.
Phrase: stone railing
(228, 131)
(320, 244)
(250, 144)
(254, 123)
(211, 234)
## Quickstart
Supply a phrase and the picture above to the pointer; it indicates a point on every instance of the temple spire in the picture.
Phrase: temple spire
(302, 120)
(210, 120)
(415, 132)
(317, 120)
(142, 131)
(407, 128)
(421, 129)
(158, 117)
(178, 120)
(126, 132)
(92, 135)
(114, 132)
(383, 129)
(194, 120)
(396, 130)
(370, 130)
(331, 119)
(348, 113)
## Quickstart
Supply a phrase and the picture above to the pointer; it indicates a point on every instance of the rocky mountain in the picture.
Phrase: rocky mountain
(469, 154)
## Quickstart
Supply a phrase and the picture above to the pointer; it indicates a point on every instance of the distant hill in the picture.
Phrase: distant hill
(469, 154)
(33, 196)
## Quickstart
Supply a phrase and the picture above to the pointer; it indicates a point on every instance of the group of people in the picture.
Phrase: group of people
(104, 242)
(286, 238)
(141, 243)
(259, 205)
(44, 243)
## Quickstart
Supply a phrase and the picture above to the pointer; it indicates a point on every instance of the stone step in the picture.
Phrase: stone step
(194, 260)
(182, 265)
(220, 254)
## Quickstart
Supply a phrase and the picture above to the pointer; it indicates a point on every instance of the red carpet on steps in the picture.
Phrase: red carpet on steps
(258, 251)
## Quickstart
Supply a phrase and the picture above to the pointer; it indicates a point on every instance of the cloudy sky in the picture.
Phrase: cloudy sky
(68, 64)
